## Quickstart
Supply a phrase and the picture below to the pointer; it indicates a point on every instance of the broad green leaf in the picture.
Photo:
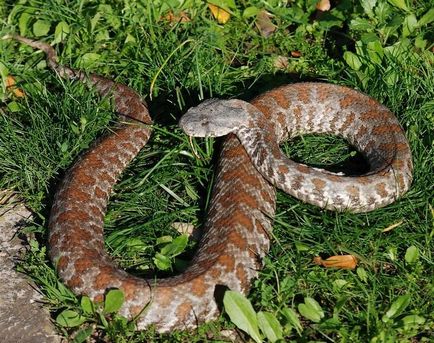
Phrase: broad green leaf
(113, 301)
(360, 24)
(88, 59)
(64, 146)
(135, 244)
(397, 307)
(60, 32)
(164, 239)
(368, 6)
(420, 43)
(383, 11)
(130, 39)
(102, 35)
(162, 262)
(369, 37)
(399, 49)
(331, 324)
(402, 4)
(301, 247)
(376, 47)
(83, 123)
(22, 23)
(292, 317)
(338, 284)
(391, 78)
(360, 49)
(176, 247)
(412, 254)
(70, 319)
(108, 15)
(362, 274)
(75, 129)
(427, 18)
(352, 60)
(41, 28)
(250, 11)
(82, 335)
(87, 305)
(375, 51)
(311, 310)
(392, 253)
(241, 313)
(107, 9)
(4, 71)
(269, 326)
(413, 320)
(14, 106)
(409, 25)
(95, 20)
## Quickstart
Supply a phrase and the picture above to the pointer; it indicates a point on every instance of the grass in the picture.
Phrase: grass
(374, 47)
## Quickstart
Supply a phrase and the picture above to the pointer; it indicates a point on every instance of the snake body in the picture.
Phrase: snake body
(306, 108)
(236, 232)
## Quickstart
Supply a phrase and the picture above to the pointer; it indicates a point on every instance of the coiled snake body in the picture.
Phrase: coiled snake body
(236, 233)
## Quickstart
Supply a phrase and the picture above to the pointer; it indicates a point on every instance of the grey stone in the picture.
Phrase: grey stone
(23, 317)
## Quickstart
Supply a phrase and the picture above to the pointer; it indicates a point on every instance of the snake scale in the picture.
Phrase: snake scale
(236, 235)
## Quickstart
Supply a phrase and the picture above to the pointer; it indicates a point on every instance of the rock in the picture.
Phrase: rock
(23, 317)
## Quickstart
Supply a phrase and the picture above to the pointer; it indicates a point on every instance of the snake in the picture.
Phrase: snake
(237, 230)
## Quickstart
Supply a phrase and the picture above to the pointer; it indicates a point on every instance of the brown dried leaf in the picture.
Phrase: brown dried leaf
(323, 5)
(264, 23)
(10, 81)
(10, 85)
(280, 62)
(181, 17)
(339, 261)
(295, 53)
(230, 335)
(219, 13)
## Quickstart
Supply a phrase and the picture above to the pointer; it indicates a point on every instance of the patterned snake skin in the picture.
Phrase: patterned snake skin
(304, 108)
(236, 233)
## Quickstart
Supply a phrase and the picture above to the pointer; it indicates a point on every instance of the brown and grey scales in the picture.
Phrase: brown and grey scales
(320, 108)
(236, 233)
(304, 108)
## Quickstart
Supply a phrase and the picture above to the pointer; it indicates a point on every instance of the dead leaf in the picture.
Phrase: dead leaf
(188, 229)
(295, 53)
(219, 13)
(264, 23)
(181, 17)
(10, 85)
(391, 227)
(230, 335)
(280, 62)
(339, 261)
(323, 5)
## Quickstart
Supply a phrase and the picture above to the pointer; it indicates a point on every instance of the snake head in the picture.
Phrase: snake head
(215, 118)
